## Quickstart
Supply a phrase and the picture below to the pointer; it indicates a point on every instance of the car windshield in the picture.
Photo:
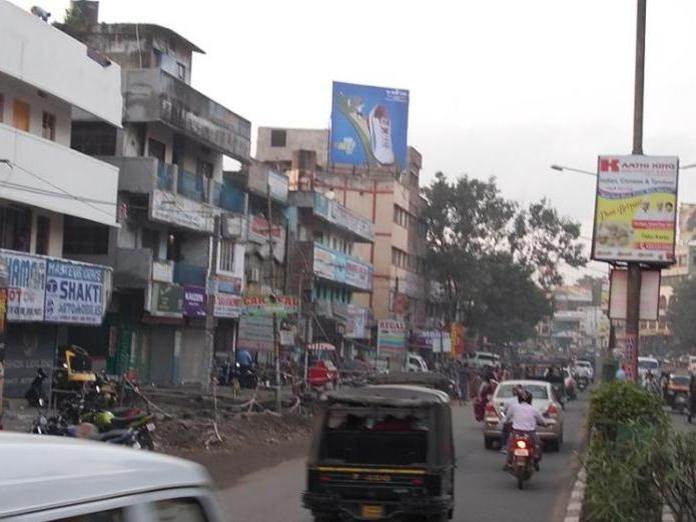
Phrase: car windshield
(681, 380)
(647, 365)
(507, 391)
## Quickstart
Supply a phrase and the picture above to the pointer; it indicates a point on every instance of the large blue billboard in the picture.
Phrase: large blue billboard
(369, 126)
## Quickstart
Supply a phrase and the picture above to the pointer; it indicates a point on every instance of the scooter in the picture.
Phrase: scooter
(36, 392)
(523, 457)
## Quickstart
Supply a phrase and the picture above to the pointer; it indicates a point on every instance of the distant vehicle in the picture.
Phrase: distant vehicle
(415, 363)
(542, 399)
(648, 363)
(584, 369)
(56, 478)
(381, 453)
(323, 374)
(678, 392)
(482, 359)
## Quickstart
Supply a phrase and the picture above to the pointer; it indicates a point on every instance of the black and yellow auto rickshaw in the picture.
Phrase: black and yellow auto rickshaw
(74, 369)
(382, 452)
(433, 380)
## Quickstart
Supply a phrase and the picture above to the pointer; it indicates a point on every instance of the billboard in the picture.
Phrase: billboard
(74, 293)
(635, 209)
(369, 126)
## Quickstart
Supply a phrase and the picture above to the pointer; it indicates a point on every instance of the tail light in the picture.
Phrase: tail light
(324, 479)
(417, 482)
(552, 411)
(522, 444)
(490, 409)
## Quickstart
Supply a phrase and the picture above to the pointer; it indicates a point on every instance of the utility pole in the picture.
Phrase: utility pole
(276, 347)
(634, 269)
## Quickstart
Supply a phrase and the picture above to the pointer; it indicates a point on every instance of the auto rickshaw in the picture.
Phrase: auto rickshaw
(74, 369)
(433, 380)
(382, 452)
(677, 397)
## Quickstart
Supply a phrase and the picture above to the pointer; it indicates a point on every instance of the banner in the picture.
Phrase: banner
(26, 284)
(255, 332)
(74, 293)
(635, 209)
(263, 305)
(391, 337)
(458, 344)
(369, 126)
(336, 266)
(649, 294)
(194, 301)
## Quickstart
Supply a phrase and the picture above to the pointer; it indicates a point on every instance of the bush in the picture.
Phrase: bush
(628, 433)
(674, 474)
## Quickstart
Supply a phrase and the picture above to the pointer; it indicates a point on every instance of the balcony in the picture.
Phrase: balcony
(154, 95)
(190, 275)
(191, 185)
(332, 212)
(49, 60)
(47, 175)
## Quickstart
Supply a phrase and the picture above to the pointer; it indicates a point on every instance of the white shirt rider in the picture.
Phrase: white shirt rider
(524, 417)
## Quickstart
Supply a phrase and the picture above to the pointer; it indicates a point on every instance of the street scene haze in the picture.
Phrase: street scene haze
(378, 261)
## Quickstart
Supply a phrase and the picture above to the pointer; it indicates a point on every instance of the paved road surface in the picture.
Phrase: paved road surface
(483, 491)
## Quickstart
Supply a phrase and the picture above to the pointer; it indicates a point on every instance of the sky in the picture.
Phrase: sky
(500, 88)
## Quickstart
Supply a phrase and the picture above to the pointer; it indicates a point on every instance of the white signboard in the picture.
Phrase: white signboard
(26, 282)
(649, 294)
(227, 306)
(163, 271)
(171, 208)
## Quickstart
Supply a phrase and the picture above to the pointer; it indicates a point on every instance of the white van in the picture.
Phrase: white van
(46, 478)
(416, 363)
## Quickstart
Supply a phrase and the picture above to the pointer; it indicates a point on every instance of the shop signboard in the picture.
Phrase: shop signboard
(278, 185)
(369, 126)
(194, 301)
(163, 271)
(338, 267)
(635, 209)
(169, 208)
(227, 306)
(74, 293)
(166, 300)
(264, 305)
(255, 333)
(334, 212)
(357, 322)
(262, 180)
(26, 284)
(258, 230)
(391, 337)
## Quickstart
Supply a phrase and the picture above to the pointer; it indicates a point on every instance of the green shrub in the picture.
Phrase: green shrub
(674, 473)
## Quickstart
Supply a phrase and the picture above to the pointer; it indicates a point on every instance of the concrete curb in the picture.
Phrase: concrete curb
(577, 498)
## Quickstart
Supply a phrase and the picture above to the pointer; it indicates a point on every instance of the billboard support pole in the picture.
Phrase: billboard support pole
(634, 270)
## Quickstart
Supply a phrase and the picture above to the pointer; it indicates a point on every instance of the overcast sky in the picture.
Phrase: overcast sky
(498, 87)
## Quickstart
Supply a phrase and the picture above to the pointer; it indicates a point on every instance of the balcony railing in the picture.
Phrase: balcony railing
(191, 185)
(165, 176)
(228, 196)
(154, 95)
(190, 275)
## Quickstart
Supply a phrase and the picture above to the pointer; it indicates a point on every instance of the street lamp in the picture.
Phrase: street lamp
(561, 168)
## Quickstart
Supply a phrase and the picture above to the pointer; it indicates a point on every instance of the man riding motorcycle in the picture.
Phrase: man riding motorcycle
(524, 418)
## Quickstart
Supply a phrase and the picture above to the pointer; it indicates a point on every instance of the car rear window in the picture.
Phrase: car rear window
(507, 391)
(112, 515)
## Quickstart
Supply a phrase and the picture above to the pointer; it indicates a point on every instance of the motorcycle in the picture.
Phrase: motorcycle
(680, 402)
(245, 375)
(559, 393)
(583, 383)
(523, 457)
(36, 392)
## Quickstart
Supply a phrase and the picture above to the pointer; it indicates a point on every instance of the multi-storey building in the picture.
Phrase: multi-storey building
(322, 267)
(178, 256)
(55, 202)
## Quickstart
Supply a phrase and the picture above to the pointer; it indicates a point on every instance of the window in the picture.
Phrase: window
(15, 228)
(94, 138)
(399, 258)
(156, 149)
(20, 115)
(48, 126)
(82, 237)
(179, 510)
(181, 71)
(401, 217)
(43, 231)
(113, 515)
(226, 256)
(278, 137)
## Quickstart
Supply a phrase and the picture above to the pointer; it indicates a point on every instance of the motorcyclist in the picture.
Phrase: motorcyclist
(524, 418)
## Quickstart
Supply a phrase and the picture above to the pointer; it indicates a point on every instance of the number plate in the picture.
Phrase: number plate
(372, 512)
(521, 452)
(150, 426)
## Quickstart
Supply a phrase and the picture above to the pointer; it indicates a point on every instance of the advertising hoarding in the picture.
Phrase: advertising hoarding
(74, 293)
(369, 126)
(391, 337)
(255, 332)
(194, 301)
(635, 209)
(336, 266)
(649, 294)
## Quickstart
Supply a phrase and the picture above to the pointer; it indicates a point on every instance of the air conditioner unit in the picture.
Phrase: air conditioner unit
(254, 275)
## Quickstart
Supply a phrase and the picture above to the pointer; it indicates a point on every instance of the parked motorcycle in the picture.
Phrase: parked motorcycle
(36, 391)
(245, 375)
(140, 422)
(523, 457)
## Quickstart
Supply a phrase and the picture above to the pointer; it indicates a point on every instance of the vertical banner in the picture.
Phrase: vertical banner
(457, 340)
(369, 126)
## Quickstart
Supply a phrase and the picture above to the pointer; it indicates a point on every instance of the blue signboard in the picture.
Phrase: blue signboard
(74, 293)
(369, 126)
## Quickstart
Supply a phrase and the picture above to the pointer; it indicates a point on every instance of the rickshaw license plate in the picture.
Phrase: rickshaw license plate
(521, 452)
(372, 512)
(150, 426)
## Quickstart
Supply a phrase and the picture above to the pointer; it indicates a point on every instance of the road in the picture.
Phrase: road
(483, 491)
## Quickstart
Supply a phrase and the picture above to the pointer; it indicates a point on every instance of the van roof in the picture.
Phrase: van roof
(44, 472)
(395, 395)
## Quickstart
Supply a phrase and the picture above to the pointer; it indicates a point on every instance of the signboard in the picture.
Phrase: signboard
(255, 332)
(166, 300)
(278, 185)
(74, 293)
(333, 212)
(226, 284)
(194, 301)
(391, 337)
(457, 337)
(26, 283)
(262, 305)
(357, 322)
(258, 230)
(171, 208)
(163, 271)
(635, 209)
(649, 294)
(227, 306)
(336, 266)
(369, 126)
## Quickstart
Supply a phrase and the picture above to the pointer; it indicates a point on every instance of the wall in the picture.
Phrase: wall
(66, 72)
(12, 90)
(310, 139)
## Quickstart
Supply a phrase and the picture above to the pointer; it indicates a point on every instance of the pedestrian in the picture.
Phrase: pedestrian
(463, 382)
(620, 374)
(484, 396)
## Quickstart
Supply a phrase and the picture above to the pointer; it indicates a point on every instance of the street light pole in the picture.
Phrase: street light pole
(276, 344)
(634, 269)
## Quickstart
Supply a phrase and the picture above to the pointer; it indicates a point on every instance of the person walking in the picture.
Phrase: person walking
(463, 382)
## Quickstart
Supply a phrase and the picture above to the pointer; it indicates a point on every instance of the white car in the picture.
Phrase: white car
(650, 364)
(482, 359)
(416, 363)
(46, 478)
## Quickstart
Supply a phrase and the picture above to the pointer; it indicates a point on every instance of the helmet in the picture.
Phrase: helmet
(104, 418)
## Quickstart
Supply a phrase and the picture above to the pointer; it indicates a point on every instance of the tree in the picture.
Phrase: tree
(495, 261)
(681, 314)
